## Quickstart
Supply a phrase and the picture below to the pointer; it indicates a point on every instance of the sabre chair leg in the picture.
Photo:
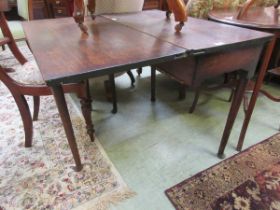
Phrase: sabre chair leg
(26, 118)
(131, 76)
(36, 107)
(139, 71)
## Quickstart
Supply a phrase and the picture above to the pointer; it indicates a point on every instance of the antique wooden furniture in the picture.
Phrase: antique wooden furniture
(39, 9)
(64, 8)
(177, 7)
(33, 9)
(30, 83)
(15, 26)
(152, 4)
(258, 18)
(217, 53)
(214, 54)
(60, 8)
(104, 51)
(247, 5)
(27, 10)
(7, 38)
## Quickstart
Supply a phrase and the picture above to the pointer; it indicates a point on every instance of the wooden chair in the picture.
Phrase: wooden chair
(25, 12)
(28, 81)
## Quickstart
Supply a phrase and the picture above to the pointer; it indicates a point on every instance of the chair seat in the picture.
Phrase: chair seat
(16, 29)
(28, 74)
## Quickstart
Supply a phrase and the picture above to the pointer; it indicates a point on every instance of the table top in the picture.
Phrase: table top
(65, 55)
(266, 18)
(126, 42)
(196, 35)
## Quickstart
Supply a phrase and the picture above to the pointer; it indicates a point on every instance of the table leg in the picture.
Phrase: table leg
(64, 115)
(259, 82)
(153, 84)
(114, 94)
(235, 105)
(85, 101)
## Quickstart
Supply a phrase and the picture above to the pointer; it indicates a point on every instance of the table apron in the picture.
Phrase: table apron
(193, 70)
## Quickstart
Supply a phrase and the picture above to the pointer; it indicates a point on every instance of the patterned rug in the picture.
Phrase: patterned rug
(41, 177)
(247, 181)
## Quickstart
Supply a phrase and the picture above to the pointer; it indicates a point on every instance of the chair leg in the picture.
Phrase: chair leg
(153, 84)
(26, 118)
(36, 107)
(231, 94)
(139, 71)
(26, 41)
(114, 94)
(131, 76)
(13, 47)
(245, 102)
(182, 92)
(195, 100)
(3, 47)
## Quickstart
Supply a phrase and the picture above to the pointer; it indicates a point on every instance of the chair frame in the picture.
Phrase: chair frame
(19, 90)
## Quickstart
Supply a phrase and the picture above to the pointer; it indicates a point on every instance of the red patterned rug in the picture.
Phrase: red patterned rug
(249, 180)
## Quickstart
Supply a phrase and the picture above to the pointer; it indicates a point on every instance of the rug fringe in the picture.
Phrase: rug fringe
(104, 202)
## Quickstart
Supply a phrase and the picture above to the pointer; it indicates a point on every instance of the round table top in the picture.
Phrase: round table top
(260, 18)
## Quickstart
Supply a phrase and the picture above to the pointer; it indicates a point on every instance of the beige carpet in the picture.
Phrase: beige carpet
(41, 177)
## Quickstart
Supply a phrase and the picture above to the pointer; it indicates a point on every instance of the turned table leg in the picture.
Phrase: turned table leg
(86, 101)
(65, 117)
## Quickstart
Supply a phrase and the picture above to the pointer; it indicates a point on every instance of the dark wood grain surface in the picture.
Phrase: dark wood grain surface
(118, 43)
(197, 34)
(266, 18)
(65, 55)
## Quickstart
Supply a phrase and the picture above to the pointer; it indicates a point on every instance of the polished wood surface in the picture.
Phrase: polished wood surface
(243, 10)
(193, 37)
(259, 18)
(64, 55)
